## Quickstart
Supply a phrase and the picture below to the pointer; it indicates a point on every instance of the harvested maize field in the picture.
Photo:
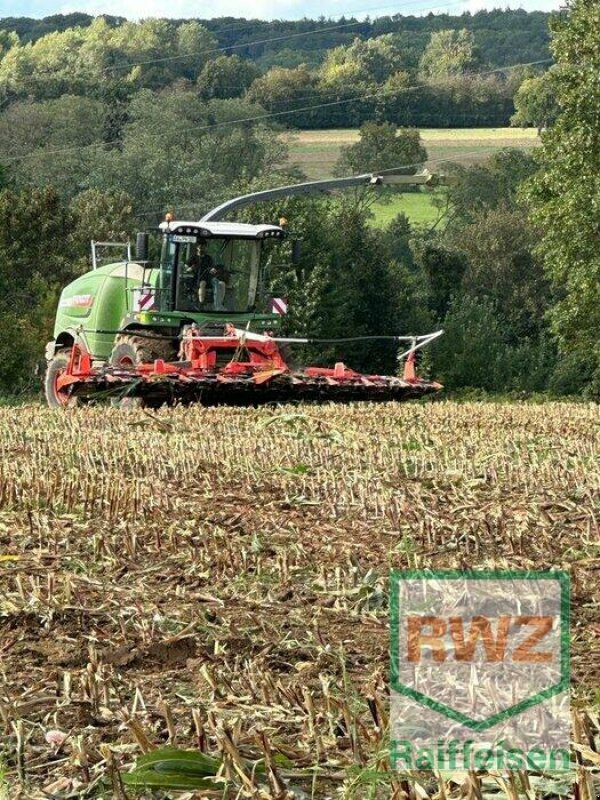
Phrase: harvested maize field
(217, 580)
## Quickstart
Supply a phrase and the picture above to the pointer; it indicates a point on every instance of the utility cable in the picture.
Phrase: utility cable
(276, 114)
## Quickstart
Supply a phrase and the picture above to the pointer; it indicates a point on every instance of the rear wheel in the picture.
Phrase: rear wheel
(57, 397)
(130, 350)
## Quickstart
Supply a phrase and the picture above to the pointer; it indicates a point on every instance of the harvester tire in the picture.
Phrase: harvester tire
(55, 368)
(130, 350)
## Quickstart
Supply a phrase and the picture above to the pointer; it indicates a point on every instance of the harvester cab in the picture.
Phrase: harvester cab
(215, 268)
(191, 318)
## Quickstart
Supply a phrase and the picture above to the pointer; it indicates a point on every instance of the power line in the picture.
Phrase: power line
(255, 43)
(238, 46)
(249, 44)
(274, 114)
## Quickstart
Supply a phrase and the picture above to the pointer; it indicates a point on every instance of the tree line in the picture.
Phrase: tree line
(510, 269)
(504, 36)
(423, 71)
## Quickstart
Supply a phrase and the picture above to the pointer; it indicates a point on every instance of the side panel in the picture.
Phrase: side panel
(96, 303)
(113, 303)
(78, 303)
(77, 299)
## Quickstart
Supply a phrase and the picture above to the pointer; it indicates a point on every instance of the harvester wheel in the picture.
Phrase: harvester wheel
(56, 367)
(130, 350)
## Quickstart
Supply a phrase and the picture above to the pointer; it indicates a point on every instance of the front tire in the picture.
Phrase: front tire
(57, 366)
(130, 350)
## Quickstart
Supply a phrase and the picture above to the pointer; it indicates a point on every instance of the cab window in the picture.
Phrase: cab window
(218, 275)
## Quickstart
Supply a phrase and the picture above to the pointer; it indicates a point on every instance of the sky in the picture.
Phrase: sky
(261, 9)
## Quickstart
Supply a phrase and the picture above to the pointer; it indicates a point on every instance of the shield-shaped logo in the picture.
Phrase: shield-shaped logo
(481, 657)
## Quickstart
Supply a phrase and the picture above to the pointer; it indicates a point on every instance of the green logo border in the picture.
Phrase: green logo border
(561, 576)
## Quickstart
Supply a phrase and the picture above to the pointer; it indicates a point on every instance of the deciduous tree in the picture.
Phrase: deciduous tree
(226, 76)
(449, 53)
(566, 192)
(383, 146)
(536, 102)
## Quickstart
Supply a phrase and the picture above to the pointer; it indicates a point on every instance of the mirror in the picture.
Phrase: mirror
(296, 251)
(141, 246)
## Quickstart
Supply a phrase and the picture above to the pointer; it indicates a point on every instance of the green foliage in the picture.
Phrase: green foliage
(449, 53)
(170, 768)
(483, 187)
(350, 292)
(410, 297)
(504, 36)
(282, 89)
(443, 269)
(345, 283)
(30, 30)
(34, 227)
(103, 216)
(34, 260)
(226, 76)
(161, 160)
(91, 61)
(536, 103)
(194, 45)
(397, 237)
(174, 148)
(21, 350)
(367, 66)
(533, 362)
(382, 146)
(364, 64)
(575, 374)
(472, 351)
(476, 351)
(8, 39)
(498, 245)
(290, 57)
(497, 282)
(565, 194)
(464, 101)
(49, 135)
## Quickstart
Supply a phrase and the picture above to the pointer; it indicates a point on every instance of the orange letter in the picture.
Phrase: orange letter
(416, 639)
(525, 652)
(480, 628)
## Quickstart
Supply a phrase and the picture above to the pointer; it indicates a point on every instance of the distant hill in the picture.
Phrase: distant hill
(504, 37)
(30, 30)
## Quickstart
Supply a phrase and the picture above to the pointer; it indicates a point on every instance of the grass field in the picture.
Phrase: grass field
(316, 152)
(417, 206)
(218, 579)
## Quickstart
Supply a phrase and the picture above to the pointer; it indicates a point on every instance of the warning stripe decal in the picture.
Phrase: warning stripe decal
(279, 305)
(144, 299)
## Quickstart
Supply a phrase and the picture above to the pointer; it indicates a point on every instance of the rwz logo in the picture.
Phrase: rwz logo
(466, 636)
(479, 647)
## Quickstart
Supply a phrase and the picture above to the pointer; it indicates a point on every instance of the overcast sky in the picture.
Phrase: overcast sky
(262, 9)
